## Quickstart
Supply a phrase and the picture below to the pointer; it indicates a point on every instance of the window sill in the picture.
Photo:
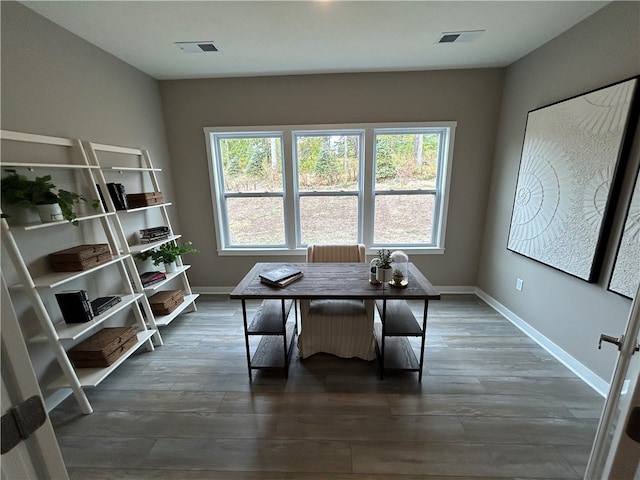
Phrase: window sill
(277, 252)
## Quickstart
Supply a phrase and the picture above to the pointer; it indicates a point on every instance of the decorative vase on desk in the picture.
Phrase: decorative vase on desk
(373, 272)
(383, 262)
(384, 274)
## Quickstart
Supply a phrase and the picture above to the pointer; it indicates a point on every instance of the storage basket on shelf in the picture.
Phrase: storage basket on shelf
(166, 301)
(103, 348)
(146, 199)
(79, 258)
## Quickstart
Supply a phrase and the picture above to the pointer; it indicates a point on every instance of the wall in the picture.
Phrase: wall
(54, 83)
(470, 97)
(599, 51)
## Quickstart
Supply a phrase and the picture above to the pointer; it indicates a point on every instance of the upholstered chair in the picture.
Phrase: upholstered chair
(339, 327)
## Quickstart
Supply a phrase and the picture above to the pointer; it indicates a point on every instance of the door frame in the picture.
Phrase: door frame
(610, 454)
(39, 455)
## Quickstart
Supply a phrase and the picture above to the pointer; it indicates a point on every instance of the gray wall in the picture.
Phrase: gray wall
(601, 50)
(471, 97)
(54, 83)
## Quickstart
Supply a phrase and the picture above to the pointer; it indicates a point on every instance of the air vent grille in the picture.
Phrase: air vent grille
(197, 47)
(460, 37)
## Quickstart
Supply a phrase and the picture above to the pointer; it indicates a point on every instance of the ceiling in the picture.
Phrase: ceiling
(302, 37)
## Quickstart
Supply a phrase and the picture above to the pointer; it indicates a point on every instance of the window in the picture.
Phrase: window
(278, 189)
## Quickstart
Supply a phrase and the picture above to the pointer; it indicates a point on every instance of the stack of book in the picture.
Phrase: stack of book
(75, 306)
(154, 234)
(151, 278)
(102, 304)
(281, 276)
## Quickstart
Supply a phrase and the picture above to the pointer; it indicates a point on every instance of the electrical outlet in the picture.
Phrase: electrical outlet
(519, 283)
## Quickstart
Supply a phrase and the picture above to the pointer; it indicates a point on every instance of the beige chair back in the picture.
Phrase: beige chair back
(336, 253)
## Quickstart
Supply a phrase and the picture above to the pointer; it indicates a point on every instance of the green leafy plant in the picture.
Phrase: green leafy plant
(384, 258)
(167, 252)
(20, 191)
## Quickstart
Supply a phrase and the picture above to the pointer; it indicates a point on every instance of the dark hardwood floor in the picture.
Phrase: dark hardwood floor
(492, 404)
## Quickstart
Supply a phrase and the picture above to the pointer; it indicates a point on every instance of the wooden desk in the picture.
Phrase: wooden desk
(334, 281)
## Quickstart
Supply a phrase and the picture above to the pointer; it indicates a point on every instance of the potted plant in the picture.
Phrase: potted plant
(167, 253)
(53, 204)
(383, 270)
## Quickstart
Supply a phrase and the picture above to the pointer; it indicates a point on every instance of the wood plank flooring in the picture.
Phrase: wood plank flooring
(492, 405)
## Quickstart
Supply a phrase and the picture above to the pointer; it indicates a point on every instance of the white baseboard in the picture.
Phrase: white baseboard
(586, 375)
(455, 289)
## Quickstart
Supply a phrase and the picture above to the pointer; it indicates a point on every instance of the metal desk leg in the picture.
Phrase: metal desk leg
(424, 337)
(246, 336)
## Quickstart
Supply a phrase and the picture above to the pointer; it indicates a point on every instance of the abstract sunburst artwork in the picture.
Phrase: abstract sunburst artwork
(570, 157)
(626, 271)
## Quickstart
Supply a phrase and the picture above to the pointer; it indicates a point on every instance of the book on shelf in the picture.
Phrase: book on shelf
(154, 234)
(75, 306)
(104, 203)
(102, 304)
(284, 282)
(151, 278)
(280, 273)
(118, 196)
(154, 230)
(145, 240)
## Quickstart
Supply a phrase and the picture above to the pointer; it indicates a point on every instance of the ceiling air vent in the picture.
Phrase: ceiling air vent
(196, 47)
(460, 37)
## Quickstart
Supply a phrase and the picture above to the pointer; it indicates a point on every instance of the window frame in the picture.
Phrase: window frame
(291, 194)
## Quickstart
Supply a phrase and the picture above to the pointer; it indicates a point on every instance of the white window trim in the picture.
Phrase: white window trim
(286, 133)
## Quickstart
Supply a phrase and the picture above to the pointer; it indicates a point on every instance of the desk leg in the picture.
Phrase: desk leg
(424, 337)
(383, 319)
(284, 339)
(246, 336)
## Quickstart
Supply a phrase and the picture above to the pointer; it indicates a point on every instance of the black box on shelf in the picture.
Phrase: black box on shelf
(75, 306)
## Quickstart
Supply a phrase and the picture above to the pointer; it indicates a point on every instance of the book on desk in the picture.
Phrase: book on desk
(281, 276)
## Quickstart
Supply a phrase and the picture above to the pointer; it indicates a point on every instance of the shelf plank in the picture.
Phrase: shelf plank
(270, 350)
(58, 166)
(131, 169)
(55, 279)
(268, 318)
(143, 247)
(164, 320)
(91, 377)
(101, 147)
(36, 226)
(170, 276)
(140, 209)
(35, 138)
(73, 331)
(398, 352)
(399, 319)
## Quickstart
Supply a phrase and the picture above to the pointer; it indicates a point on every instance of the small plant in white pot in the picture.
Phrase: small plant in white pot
(167, 253)
(53, 203)
(384, 270)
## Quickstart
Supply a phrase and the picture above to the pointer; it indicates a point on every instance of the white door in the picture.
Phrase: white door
(615, 454)
(39, 455)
